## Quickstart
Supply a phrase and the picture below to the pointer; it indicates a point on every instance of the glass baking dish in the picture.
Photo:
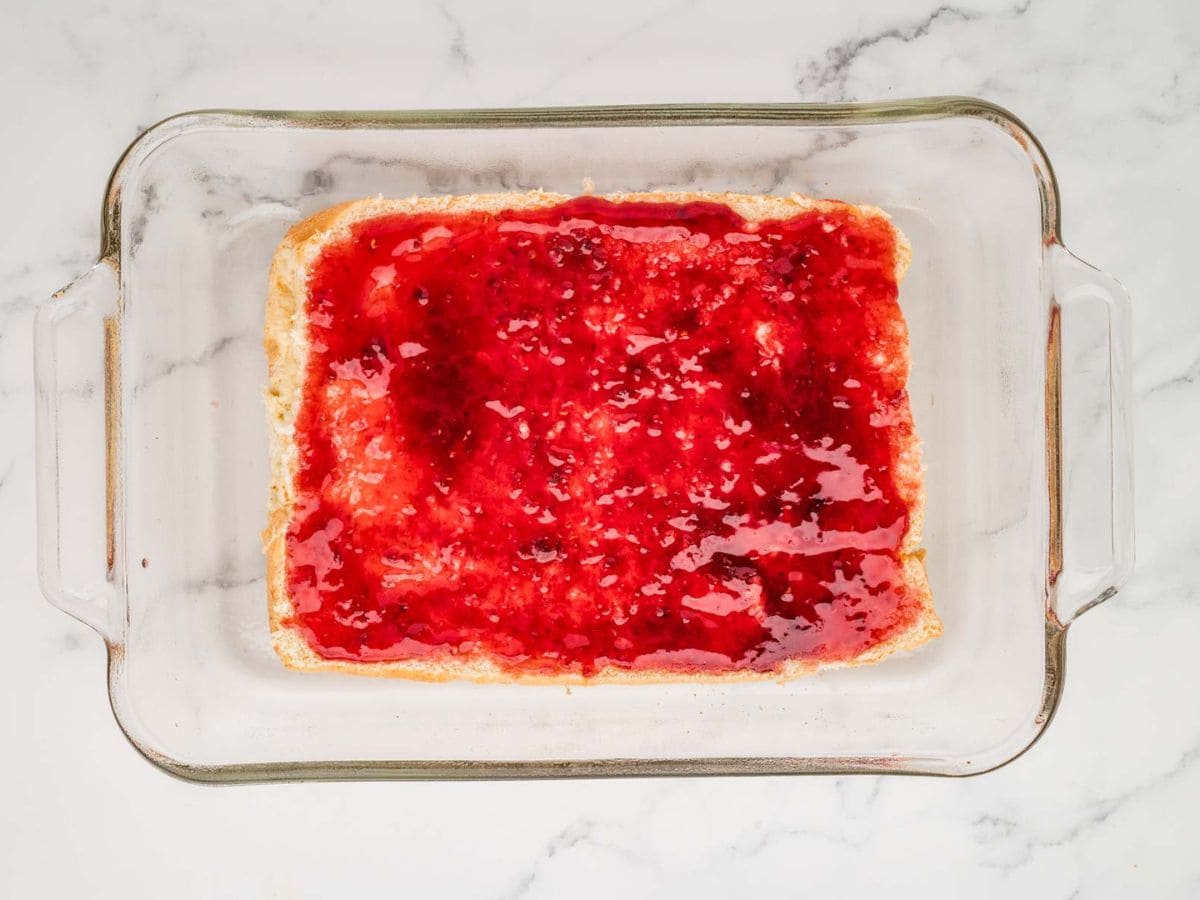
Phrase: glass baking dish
(152, 443)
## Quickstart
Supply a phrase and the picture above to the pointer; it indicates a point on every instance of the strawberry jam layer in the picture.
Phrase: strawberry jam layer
(592, 435)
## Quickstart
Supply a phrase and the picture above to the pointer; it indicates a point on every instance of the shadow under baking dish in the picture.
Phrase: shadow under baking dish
(161, 554)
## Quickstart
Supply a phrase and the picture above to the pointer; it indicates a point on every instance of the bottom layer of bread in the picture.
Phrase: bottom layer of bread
(547, 440)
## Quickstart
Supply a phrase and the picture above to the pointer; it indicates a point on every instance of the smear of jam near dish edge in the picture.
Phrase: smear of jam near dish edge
(633, 435)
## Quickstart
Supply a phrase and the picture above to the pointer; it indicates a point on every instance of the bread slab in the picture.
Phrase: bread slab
(286, 343)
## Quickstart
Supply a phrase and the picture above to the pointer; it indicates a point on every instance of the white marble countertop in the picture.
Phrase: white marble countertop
(1104, 806)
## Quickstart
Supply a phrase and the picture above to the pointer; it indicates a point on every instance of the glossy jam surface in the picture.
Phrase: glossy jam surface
(635, 435)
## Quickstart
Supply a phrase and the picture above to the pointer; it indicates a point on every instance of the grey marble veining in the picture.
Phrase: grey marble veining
(1104, 806)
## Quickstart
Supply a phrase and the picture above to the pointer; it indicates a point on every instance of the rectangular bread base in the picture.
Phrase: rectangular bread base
(286, 345)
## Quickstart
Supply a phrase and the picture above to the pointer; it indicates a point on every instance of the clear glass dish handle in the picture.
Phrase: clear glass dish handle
(72, 345)
(1097, 439)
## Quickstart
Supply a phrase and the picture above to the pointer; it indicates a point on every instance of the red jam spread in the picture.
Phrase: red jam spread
(636, 435)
